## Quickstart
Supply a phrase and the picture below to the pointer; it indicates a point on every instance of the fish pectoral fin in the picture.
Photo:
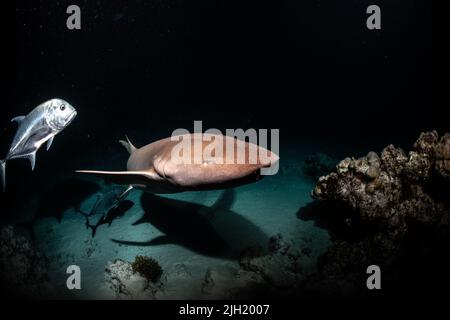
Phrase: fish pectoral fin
(32, 158)
(49, 142)
(18, 119)
(3, 173)
(120, 177)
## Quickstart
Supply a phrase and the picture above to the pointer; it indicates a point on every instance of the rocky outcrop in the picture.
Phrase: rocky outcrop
(398, 211)
(442, 153)
(281, 268)
(128, 284)
(394, 188)
(23, 268)
(277, 274)
(274, 275)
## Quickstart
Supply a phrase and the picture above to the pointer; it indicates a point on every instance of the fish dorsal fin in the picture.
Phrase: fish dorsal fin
(32, 158)
(49, 142)
(18, 119)
(128, 145)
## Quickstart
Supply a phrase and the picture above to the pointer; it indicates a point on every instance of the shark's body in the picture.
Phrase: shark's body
(153, 169)
(38, 127)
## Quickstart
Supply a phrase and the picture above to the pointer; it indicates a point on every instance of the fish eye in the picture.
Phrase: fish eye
(62, 107)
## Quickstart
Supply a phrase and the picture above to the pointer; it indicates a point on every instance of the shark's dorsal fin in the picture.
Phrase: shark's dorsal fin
(49, 142)
(128, 145)
(18, 119)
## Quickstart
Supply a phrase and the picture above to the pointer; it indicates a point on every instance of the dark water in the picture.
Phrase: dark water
(144, 68)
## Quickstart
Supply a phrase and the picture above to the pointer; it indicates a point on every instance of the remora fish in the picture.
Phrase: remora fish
(107, 200)
(108, 203)
(39, 126)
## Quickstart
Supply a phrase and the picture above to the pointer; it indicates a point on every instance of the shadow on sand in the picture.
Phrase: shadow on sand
(213, 231)
(63, 196)
(111, 215)
(337, 218)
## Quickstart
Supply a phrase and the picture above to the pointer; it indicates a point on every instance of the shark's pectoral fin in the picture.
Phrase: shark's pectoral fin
(120, 177)
(49, 142)
(18, 119)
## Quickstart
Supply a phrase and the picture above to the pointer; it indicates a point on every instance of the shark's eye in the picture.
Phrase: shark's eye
(62, 107)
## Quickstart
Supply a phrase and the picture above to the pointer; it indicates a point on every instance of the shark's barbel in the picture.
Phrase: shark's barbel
(38, 127)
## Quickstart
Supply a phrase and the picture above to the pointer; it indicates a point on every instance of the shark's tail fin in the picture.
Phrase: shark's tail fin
(128, 145)
(3, 173)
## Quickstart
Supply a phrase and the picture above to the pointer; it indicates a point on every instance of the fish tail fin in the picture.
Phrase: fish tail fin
(128, 145)
(3, 173)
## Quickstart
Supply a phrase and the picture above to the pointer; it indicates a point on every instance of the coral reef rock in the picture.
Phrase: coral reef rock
(280, 268)
(126, 283)
(147, 267)
(442, 153)
(258, 274)
(23, 268)
(394, 188)
(276, 274)
(223, 282)
(179, 283)
(398, 217)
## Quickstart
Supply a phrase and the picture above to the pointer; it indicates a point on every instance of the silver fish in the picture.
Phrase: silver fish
(38, 127)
